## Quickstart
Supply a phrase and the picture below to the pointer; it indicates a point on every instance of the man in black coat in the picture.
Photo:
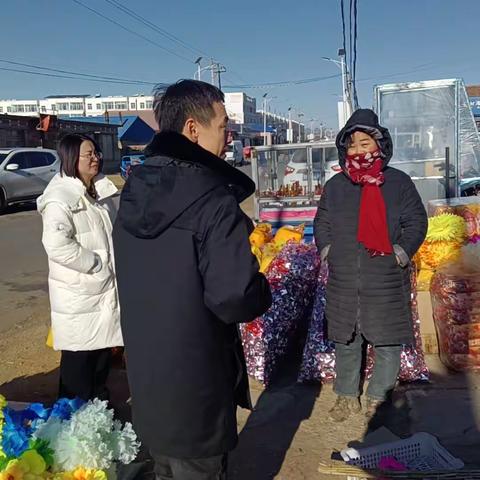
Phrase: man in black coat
(368, 291)
(186, 279)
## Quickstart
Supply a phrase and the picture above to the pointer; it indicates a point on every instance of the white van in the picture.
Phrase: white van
(234, 153)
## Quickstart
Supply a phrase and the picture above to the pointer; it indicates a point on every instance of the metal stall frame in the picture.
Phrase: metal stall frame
(452, 152)
(309, 200)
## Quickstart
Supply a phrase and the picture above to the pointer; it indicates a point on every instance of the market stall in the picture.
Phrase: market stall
(290, 180)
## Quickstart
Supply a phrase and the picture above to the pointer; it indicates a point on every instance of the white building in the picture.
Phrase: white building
(240, 107)
(74, 106)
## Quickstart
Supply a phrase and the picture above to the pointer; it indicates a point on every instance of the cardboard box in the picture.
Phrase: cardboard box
(427, 326)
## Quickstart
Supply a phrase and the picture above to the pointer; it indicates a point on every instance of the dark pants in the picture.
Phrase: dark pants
(348, 360)
(212, 468)
(84, 374)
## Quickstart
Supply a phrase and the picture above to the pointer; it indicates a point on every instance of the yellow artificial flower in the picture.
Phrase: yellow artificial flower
(88, 474)
(446, 227)
(13, 471)
(434, 254)
(33, 464)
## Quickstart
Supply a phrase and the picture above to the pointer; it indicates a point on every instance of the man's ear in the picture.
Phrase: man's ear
(190, 130)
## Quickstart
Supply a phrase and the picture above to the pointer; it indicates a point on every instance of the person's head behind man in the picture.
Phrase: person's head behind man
(196, 110)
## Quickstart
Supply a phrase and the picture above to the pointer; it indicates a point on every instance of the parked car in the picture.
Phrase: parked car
(128, 162)
(24, 173)
(296, 169)
(234, 153)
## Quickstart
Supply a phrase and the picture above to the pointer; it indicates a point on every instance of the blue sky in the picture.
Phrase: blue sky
(258, 41)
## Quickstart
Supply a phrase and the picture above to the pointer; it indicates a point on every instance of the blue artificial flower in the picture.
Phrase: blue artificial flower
(14, 439)
(64, 408)
(37, 411)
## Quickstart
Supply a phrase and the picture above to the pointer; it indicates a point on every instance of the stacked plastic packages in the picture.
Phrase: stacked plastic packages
(455, 292)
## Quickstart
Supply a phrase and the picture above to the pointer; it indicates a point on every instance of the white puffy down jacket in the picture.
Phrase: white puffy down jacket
(77, 233)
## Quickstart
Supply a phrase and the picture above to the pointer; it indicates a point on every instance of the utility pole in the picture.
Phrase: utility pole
(290, 130)
(199, 68)
(347, 87)
(217, 70)
(265, 118)
(300, 115)
(347, 106)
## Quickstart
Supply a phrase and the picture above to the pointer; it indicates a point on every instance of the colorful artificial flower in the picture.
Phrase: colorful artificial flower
(91, 438)
(12, 471)
(80, 473)
(3, 404)
(33, 465)
(446, 227)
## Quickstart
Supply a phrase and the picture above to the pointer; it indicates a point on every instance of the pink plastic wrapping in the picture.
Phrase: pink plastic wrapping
(292, 276)
(319, 354)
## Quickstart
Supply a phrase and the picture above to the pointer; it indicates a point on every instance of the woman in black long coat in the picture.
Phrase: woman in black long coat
(370, 223)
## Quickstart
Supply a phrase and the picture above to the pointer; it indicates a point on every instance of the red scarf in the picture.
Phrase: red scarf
(366, 170)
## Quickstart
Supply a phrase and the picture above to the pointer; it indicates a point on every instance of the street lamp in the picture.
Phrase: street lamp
(199, 69)
(300, 115)
(265, 118)
(265, 106)
(346, 84)
(290, 129)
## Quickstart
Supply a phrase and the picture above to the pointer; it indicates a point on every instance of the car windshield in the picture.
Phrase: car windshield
(3, 156)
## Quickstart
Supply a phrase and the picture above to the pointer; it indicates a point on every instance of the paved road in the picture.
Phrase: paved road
(23, 271)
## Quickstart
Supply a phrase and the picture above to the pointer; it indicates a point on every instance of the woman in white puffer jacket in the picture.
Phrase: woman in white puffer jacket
(78, 211)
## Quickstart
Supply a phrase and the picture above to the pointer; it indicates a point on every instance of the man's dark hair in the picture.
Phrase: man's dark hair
(69, 152)
(182, 100)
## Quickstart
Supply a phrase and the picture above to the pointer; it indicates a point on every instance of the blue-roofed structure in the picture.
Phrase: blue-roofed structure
(132, 130)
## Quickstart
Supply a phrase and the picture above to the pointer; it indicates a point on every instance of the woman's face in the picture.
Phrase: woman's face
(360, 143)
(88, 161)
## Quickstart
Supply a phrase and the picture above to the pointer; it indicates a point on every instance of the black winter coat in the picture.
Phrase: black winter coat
(186, 278)
(364, 294)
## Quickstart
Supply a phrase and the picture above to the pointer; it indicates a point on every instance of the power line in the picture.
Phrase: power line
(131, 13)
(170, 36)
(79, 74)
(54, 75)
(284, 83)
(123, 27)
(71, 75)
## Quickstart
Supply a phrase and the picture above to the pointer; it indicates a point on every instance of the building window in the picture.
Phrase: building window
(44, 108)
(9, 109)
(63, 107)
(142, 106)
(89, 106)
(31, 108)
(1, 109)
(99, 106)
(77, 106)
(108, 106)
(18, 108)
(120, 106)
(132, 106)
(149, 104)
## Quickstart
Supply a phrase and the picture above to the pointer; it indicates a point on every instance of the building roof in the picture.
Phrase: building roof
(67, 96)
(473, 90)
(131, 128)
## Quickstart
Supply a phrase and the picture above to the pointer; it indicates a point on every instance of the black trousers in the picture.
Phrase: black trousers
(84, 374)
(212, 468)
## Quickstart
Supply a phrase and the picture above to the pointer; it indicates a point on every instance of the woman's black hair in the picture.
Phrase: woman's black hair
(69, 151)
